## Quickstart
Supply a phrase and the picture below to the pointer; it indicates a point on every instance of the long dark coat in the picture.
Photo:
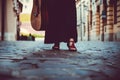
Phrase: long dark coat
(61, 21)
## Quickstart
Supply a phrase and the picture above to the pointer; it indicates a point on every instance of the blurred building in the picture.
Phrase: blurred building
(9, 19)
(100, 20)
(82, 19)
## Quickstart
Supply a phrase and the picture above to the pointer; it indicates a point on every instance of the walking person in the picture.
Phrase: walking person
(61, 24)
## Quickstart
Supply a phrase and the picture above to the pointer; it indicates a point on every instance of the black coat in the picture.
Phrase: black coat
(62, 23)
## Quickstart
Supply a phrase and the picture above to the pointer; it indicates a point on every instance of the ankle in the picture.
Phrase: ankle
(56, 44)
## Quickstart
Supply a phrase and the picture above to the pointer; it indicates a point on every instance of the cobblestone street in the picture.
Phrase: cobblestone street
(29, 60)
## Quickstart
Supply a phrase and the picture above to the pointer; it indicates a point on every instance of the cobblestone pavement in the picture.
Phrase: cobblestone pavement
(27, 60)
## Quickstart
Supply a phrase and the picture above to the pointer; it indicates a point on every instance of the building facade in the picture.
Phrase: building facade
(9, 19)
(82, 20)
(100, 20)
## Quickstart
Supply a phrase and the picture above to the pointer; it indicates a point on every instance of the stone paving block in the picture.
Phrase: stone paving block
(48, 72)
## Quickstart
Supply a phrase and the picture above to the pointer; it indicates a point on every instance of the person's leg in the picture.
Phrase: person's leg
(71, 45)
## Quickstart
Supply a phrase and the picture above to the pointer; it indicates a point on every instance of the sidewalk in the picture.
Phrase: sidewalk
(28, 60)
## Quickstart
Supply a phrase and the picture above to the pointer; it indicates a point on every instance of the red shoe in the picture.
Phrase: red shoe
(71, 45)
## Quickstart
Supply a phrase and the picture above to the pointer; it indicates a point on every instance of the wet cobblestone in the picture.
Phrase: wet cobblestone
(29, 60)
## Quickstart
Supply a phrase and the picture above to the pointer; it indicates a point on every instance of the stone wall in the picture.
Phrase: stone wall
(10, 21)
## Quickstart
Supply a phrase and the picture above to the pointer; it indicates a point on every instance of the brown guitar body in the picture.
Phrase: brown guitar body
(36, 15)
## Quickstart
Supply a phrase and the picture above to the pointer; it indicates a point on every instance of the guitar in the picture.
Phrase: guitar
(36, 15)
(39, 15)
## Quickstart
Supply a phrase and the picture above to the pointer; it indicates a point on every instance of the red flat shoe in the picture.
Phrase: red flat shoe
(71, 45)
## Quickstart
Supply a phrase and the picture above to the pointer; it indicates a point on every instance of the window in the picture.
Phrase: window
(115, 11)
